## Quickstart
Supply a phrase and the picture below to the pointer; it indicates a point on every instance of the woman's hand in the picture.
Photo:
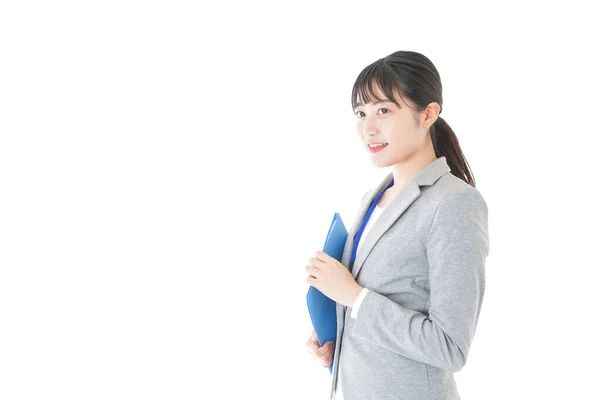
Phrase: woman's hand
(323, 354)
(333, 279)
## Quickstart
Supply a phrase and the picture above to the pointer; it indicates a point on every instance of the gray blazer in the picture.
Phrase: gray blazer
(423, 261)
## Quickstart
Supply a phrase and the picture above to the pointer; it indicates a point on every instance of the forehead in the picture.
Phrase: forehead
(377, 90)
(366, 95)
(367, 92)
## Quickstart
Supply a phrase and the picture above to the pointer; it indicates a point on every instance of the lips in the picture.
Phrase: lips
(377, 148)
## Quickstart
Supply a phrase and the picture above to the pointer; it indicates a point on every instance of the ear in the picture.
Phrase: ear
(431, 114)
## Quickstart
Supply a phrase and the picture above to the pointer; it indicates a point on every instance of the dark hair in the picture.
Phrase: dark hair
(414, 76)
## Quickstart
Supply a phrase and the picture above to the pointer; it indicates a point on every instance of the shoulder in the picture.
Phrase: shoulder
(461, 213)
(448, 192)
(452, 193)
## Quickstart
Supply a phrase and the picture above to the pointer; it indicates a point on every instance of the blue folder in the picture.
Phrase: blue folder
(320, 307)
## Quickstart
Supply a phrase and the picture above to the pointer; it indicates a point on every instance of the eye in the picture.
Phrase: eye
(358, 113)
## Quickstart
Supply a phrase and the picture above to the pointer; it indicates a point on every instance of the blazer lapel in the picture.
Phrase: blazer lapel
(347, 253)
(427, 176)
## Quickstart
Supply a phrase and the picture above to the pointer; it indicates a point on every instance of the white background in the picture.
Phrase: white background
(168, 168)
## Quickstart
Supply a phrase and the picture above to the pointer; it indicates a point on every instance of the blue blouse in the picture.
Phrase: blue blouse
(365, 220)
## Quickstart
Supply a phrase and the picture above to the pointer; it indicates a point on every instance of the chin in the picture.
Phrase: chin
(380, 163)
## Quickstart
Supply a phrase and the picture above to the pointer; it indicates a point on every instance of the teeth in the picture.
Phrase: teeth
(376, 145)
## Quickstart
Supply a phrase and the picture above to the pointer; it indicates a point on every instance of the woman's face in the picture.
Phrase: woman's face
(400, 128)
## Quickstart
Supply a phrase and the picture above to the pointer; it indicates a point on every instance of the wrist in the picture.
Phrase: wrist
(355, 295)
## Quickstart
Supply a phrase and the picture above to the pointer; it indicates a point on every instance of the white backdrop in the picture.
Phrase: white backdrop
(168, 168)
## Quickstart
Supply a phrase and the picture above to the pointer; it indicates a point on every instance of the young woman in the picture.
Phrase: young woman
(410, 285)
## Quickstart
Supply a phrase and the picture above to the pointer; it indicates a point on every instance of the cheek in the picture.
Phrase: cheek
(398, 136)
(402, 142)
(401, 132)
(359, 130)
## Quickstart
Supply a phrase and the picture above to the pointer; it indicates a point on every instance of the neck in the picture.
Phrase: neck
(408, 168)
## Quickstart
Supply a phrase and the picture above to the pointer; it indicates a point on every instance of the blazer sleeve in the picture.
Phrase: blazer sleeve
(457, 246)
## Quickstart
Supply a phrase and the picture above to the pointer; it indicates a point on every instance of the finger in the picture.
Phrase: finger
(321, 351)
(311, 280)
(324, 257)
(329, 345)
(315, 262)
(312, 270)
(313, 341)
(312, 345)
(327, 358)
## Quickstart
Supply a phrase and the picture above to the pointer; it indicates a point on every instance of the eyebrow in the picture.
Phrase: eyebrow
(377, 102)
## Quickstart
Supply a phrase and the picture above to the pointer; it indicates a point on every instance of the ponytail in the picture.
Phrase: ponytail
(445, 144)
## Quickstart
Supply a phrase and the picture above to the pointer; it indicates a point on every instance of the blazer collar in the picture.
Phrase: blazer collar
(426, 177)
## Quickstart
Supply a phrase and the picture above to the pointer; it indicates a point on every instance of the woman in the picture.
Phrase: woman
(411, 281)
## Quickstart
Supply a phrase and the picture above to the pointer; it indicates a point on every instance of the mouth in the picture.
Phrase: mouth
(375, 149)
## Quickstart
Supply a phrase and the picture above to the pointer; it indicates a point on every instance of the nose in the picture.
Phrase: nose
(369, 127)
(370, 130)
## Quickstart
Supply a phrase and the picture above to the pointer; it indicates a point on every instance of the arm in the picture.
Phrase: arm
(457, 246)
